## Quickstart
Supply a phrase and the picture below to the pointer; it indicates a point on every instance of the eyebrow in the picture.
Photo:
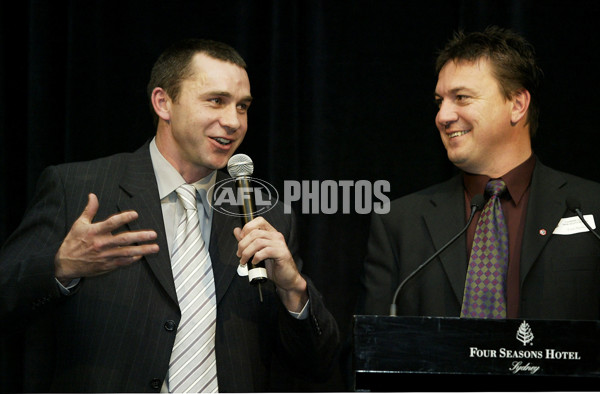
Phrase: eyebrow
(455, 90)
(247, 99)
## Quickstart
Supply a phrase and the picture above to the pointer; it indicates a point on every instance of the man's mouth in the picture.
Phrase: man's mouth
(458, 133)
(222, 141)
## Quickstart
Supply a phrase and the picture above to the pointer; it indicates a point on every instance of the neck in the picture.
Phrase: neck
(166, 146)
(516, 149)
(503, 166)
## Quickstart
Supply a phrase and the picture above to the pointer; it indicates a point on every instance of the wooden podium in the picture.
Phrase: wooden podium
(445, 354)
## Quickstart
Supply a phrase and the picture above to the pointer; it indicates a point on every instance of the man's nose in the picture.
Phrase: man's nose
(230, 118)
(446, 114)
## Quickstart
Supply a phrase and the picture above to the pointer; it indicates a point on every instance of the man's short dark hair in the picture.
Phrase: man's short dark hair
(511, 56)
(173, 65)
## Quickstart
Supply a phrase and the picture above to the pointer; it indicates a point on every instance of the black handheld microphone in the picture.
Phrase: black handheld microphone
(574, 206)
(241, 167)
(477, 204)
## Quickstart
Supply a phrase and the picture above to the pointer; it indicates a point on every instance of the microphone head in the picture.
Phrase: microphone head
(240, 165)
(573, 204)
(478, 202)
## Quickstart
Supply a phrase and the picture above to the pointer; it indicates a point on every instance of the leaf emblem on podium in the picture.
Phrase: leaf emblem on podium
(524, 334)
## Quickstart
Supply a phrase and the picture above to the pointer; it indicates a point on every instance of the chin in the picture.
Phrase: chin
(219, 162)
(220, 166)
(459, 161)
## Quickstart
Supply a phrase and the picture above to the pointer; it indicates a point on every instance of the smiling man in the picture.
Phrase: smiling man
(520, 257)
(483, 131)
(206, 119)
(126, 281)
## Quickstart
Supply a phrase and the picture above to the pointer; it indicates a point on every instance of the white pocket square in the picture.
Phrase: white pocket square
(574, 225)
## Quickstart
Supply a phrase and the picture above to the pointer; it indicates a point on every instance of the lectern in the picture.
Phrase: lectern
(457, 354)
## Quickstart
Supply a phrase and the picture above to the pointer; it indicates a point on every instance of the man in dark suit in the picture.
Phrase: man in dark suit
(89, 269)
(488, 112)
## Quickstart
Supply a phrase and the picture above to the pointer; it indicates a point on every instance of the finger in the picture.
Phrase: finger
(237, 232)
(91, 208)
(128, 252)
(249, 239)
(265, 254)
(116, 221)
(271, 249)
(123, 261)
(258, 250)
(132, 237)
(258, 223)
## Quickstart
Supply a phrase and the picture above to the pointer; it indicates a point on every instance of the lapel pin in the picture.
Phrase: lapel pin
(543, 231)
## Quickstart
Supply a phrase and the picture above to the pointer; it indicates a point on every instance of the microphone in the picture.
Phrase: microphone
(477, 204)
(241, 167)
(574, 206)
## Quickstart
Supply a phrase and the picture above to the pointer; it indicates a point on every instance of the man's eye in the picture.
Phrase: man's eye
(461, 97)
(216, 100)
(438, 102)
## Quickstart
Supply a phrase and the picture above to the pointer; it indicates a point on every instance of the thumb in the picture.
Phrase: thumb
(238, 233)
(91, 208)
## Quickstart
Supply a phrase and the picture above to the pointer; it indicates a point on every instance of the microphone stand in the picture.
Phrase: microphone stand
(476, 204)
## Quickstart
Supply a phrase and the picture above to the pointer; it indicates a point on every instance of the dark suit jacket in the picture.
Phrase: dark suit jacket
(559, 274)
(115, 334)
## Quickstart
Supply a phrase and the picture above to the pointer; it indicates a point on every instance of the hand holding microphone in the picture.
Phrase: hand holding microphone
(261, 247)
(260, 241)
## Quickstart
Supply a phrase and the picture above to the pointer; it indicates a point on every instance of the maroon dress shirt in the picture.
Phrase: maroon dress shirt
(514, 205)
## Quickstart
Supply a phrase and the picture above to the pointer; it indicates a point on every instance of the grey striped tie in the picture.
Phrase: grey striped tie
(193, 365)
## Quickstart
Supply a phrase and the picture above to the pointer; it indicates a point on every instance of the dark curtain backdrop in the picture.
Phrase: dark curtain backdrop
(343, 91)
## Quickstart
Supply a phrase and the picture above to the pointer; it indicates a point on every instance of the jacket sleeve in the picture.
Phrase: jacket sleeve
(379, 278)
(312, 345)
(27, 280)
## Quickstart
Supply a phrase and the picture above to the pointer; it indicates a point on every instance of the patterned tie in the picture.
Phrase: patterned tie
(484, 287)
(193, 365)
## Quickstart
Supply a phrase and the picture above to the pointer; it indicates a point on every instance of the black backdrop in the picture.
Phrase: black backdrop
(343, 91)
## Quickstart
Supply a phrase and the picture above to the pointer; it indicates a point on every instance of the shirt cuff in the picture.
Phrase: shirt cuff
(66, 290)
(303, 314)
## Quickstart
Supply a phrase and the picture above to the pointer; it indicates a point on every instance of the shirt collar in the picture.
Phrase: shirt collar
(169, 179)
(517, 180)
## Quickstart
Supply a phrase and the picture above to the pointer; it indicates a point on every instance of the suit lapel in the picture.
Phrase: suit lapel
(223, 246)
(139, 182)
(445, 219)
(545, 208)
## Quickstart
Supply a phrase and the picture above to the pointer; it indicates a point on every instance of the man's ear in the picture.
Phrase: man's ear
(161, 103)
(521, 99)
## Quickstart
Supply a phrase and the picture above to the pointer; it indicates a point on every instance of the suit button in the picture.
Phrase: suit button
(170, 325)
(316, 322)
(156, 384)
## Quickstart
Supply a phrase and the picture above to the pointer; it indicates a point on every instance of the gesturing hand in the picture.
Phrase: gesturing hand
(90, 249)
